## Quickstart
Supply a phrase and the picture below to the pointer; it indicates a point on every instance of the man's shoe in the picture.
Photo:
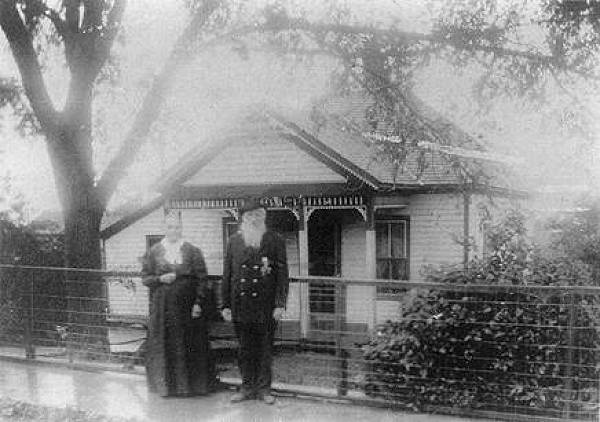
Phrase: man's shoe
(238, 397)
(268, 399)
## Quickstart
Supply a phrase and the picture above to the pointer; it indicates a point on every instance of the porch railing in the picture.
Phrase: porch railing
(501, 351)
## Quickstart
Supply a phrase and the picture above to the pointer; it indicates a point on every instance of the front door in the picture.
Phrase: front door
(324, 259)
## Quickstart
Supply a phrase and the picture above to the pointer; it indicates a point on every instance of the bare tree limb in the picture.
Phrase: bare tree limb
(21, 44)
(111, 30)
(89, 50)
(59, 23)
(150, 108)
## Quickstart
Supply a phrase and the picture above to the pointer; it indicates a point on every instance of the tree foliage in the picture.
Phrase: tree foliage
(577, 235)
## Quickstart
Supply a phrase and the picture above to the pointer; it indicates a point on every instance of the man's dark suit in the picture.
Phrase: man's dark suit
(255, 281)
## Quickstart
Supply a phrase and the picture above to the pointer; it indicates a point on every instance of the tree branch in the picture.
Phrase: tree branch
(111, 30)
(437, 41)
(59, 23)
(395, 36)
(21, 45)
(92, 15)
(151, 104)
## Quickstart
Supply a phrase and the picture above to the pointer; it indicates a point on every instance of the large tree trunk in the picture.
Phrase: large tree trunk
(85, 288)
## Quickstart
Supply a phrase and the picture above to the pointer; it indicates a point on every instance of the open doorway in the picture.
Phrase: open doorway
(324, 259)
(324, 244)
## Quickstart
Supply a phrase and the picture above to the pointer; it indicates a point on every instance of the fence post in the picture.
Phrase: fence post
(340, 323)
(571, 342)
(28, 337)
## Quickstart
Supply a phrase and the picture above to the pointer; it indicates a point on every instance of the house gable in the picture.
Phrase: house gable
(269, 160)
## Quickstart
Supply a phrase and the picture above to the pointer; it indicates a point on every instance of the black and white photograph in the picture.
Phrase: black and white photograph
(299, 210)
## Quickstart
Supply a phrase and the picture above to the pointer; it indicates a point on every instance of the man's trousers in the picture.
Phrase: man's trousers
(255, 356)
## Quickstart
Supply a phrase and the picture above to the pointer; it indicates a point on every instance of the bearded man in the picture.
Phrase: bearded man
(255, 288)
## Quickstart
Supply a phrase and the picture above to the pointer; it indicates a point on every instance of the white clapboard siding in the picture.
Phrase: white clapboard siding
(436, 223)
(271, 160)
(123, 252)
(359, 299)
(204, 229)
(436, 226)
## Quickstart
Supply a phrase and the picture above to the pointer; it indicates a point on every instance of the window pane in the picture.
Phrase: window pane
(321, 297)
(381, 239)
(152, 240)
(398, 269)
(397, 240)
(383, 269)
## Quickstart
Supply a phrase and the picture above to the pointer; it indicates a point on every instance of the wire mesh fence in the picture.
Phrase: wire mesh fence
(506, 351)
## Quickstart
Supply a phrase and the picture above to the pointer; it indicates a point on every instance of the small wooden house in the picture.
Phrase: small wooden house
(344, 209)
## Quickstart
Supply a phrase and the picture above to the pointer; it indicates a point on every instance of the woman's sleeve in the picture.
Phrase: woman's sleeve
(149, 276)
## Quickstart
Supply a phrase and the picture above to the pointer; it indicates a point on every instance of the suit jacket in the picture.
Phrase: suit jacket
(255, 281)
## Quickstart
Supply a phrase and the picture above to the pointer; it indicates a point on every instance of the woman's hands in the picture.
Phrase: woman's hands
(226, 313)
(167, 278)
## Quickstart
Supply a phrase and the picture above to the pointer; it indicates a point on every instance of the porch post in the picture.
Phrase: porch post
(303, 269)
(371, 259)
(370, 245)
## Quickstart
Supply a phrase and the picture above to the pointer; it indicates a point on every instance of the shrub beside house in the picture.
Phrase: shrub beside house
(514, 348)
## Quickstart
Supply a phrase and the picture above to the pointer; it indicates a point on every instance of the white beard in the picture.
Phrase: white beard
(252, 235)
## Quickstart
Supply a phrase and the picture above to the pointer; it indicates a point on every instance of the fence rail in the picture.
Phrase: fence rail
(505, 351)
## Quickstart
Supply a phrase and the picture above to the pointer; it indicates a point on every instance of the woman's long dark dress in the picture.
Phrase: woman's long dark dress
(178, 358)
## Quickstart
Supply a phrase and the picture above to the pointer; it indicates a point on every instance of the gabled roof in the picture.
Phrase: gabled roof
(343, 127)
(348, 153)
(259, 124)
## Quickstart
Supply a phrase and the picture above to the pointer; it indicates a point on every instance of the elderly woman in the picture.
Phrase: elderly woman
(178, 361)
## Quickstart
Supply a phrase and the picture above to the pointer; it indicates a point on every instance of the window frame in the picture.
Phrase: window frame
(153, 239)
(389, 220)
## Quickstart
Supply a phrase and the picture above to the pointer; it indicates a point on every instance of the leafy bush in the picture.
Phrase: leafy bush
(20, 245)
(577, 235)
(510, 348)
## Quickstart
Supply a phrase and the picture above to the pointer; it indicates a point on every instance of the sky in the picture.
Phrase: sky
(209, 93)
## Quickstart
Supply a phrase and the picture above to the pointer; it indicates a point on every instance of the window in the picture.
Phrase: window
(153, 239)
(392, 244)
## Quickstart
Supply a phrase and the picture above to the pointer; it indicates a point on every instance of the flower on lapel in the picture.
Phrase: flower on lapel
(266, 268)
